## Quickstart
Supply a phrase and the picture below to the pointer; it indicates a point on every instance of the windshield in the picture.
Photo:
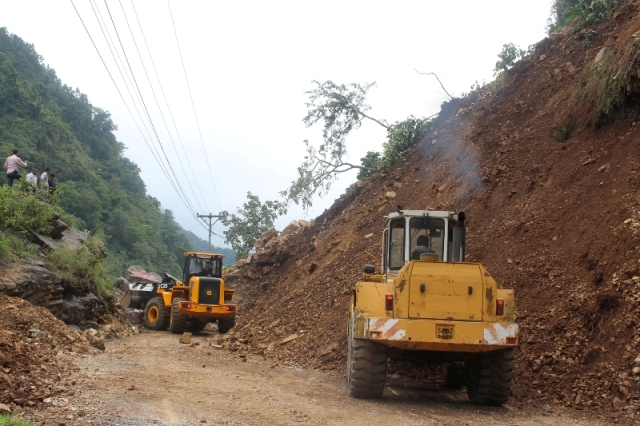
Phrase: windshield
(426, 236)
(201, 266)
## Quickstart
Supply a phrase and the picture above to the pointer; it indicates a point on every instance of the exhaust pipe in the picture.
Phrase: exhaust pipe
(459, 236)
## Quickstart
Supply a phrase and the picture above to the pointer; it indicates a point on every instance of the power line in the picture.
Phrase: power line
(109, 41)
(120, 94)
(193, 105)
(167, 104)
(144, 105)
(156, 101)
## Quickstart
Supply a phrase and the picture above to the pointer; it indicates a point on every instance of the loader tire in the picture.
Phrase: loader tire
(490, 377)
(226, 324)
(156, 316)
(454, 375)
(196, 326)
(366, 366)
(178, 323)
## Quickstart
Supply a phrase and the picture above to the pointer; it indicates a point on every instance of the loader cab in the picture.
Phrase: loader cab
(202, 265)
(424, 236)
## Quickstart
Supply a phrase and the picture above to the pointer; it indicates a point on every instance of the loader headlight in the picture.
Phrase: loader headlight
(500, 307)
(186, 305)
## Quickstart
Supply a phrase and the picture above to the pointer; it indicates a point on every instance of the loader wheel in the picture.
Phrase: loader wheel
(196, 326)
(454, 375)
(226, 324)
(156, 316)
(490, 377)
(178, 322)
(366, 365)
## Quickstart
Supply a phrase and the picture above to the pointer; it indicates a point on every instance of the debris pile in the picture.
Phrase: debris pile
(551, 196)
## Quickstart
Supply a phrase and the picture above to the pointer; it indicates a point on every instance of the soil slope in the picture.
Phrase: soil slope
(549, 183)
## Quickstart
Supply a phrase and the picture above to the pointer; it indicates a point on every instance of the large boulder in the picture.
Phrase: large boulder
(136, 273)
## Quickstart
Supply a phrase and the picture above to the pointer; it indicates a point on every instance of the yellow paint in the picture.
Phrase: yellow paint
(443, 317)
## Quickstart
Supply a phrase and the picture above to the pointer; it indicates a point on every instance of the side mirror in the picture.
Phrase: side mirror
(369, 269)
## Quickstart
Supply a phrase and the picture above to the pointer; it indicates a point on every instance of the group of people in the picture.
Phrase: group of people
(44, 181)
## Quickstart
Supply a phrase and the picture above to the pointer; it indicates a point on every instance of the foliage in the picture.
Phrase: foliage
(581, 12)
(54, 125)
(21, 210)
(401, 136)
(251, 221)
(7, 420)
(563, 131)
(508, 56)
(371, 162)
(5, 247)
(82, 266)
(341, 109)
(612, 83)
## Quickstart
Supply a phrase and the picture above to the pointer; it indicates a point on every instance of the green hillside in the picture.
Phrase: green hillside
(56, 126)
(201, 245)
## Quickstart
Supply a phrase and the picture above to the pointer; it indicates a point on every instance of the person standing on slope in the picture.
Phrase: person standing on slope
(44, 179)
(11, 165)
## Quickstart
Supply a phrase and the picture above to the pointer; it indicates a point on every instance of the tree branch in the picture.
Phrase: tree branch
(436, 76)
(386, 126)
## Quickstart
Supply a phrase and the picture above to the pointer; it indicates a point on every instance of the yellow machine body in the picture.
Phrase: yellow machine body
(436, 306)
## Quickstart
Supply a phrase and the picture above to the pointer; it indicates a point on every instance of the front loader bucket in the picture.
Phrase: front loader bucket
(125, 299)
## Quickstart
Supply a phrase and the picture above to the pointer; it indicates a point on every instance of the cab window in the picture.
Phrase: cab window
(396, 244)
(426, 236)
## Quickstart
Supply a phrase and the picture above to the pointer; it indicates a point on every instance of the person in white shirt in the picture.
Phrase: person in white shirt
(32, 177)
(44, 178)
(11, 165)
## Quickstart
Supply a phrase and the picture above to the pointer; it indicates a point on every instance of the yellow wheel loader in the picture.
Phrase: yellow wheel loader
(186, 305)
(427, 304)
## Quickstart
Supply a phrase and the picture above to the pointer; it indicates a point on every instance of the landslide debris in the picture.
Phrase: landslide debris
(549, 180)
(36, 353)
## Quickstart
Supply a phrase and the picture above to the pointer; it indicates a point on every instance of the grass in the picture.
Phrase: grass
(83, 266)
(6, 420)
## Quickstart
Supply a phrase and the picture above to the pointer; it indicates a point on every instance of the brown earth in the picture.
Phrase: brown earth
(548, 175)
(150, 379)
(38, 352)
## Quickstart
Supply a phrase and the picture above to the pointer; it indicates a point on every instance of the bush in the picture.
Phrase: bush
(11, 245)
(581, 12)
(83, 267)
(372, 160)
(612, 84)
(401, 136)
(509, 55)
(21, 210)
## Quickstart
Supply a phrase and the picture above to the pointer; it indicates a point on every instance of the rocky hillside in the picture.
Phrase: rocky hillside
(545, 162)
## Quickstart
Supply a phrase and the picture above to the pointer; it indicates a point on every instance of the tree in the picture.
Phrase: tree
(341, 108)
(509, 55)
(252, 220)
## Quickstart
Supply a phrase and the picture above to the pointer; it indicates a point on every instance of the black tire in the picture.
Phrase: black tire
(156, 316)
(178, 322)
(226, 324)
(490, 377)
(454, 375)
(196, 326)
(366, 366)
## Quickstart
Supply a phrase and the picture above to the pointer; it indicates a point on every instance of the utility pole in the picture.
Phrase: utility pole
(209, 216)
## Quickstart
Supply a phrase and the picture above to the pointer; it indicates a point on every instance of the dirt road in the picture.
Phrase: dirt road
(152, 379)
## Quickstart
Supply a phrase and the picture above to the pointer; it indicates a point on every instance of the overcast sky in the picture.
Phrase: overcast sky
(248, 65)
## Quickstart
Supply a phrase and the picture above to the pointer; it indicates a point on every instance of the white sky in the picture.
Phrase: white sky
(249, 64)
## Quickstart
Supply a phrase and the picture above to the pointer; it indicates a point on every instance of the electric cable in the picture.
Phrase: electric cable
(146, 109)
(120, 92)
(193, 105)
(158, 105)
(204, 199)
